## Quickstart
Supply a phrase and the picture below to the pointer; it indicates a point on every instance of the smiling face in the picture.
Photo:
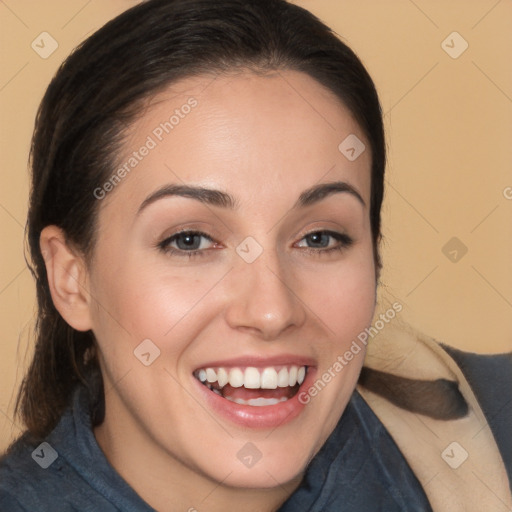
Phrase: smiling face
(261, 284)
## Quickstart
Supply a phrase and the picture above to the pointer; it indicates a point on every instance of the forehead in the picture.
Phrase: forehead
(264, 138)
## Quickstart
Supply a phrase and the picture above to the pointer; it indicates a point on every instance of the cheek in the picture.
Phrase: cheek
(343, 296)
(146, 299)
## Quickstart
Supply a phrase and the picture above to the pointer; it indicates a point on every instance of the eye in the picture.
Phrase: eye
(187, 243)
(196, 243)
(325, 241)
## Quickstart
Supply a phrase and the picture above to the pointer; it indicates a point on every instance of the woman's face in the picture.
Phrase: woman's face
(279, 283)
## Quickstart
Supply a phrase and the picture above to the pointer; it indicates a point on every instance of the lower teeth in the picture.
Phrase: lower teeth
(256, 402)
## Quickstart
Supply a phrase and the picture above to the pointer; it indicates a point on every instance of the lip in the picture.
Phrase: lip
(254, 417)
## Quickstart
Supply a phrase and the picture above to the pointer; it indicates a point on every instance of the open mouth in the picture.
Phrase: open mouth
(254, 386)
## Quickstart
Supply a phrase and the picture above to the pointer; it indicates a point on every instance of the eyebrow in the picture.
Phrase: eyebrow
(222, 199)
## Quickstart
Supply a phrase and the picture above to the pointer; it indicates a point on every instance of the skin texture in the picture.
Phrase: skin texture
(263, 138)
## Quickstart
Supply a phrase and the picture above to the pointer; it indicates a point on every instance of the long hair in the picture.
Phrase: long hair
(100, 90)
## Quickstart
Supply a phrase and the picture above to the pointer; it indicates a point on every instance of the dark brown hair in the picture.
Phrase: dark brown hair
(100, 90)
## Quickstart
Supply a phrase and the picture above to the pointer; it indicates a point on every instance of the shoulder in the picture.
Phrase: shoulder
(10, 504)
(45, 475)
(34, 477)
(484, 369)
(24, 473)
(490, 377)
(65, 472)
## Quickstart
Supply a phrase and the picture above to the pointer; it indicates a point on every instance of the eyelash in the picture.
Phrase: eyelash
(344, 240)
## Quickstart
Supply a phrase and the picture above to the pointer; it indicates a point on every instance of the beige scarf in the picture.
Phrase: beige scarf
(456, 461)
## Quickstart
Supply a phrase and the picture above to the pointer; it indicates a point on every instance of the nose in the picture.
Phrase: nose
(263, 300)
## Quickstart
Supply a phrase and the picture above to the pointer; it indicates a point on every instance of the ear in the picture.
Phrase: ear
(67, 278)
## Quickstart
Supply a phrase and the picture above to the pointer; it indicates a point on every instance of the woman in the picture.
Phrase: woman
(204, 227)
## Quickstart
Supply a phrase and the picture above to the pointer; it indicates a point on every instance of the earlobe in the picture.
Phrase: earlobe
(67, 278)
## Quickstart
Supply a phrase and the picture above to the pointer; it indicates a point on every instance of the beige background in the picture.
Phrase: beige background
(449, 129)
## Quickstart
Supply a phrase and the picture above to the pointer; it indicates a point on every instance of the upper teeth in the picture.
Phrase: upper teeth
(254, 378)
